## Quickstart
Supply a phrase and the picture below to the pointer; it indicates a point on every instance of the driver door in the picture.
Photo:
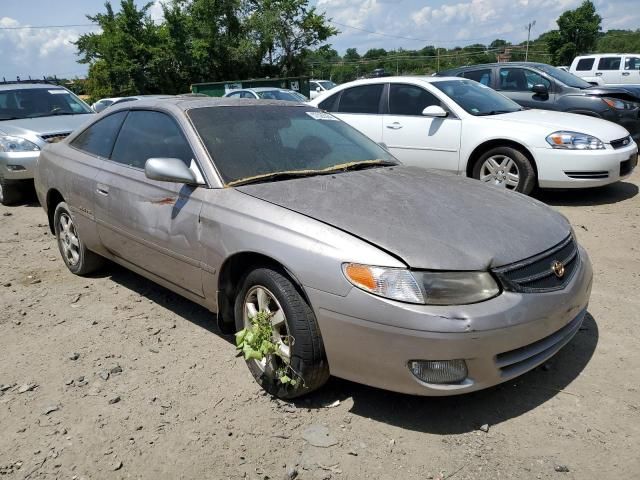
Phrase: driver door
(516, 83)
(153, 225)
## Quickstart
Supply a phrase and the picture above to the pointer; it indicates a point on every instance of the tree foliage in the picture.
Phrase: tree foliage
(577, 33)
(197, 41)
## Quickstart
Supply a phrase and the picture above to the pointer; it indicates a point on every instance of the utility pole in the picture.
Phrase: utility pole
(528, 27)
(438, 55)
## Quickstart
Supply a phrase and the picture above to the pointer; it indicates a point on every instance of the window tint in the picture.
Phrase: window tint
(98, 138)
(147, 134)
(364, 99)
(330, 104)
(534, 78)
(409, 100)
(480, 76)
(632, 63)
(236, 94)
(609, 63)
(513, 79)
(585, 64)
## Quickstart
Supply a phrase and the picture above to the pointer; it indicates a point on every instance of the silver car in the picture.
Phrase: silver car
(268, 93)
(282, 219)
(31, 116)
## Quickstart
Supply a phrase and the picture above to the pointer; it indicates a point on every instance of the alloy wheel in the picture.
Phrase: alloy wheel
(68, 238)
(260, 299)
(500, 171)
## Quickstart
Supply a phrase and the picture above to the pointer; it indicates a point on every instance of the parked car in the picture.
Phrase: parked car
(103, 103)
(383, 274)
(31, 116)
(462, 126)
(608, 68)
(537, 85)
(268, 93)
(134, 98)
(563, 68)
(319, 86)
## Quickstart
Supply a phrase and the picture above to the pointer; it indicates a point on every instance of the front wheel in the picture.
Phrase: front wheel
(506, 167)
(76, 256)
(9, 191)
(294, 332)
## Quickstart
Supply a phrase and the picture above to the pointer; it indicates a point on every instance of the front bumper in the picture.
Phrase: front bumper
(584, 169)
(370, 340)
(18, 165)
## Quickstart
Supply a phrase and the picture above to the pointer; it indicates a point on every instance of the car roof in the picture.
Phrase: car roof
(263, 89)
(400, 79)
(28, 86)
(187, 103)
(496, 64)
(598, 55)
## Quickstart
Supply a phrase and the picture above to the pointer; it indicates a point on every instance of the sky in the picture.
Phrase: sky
(443, 23)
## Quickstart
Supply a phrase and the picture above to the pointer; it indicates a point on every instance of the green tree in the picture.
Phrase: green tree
(577, 33)
(626, 41)
(351, 55)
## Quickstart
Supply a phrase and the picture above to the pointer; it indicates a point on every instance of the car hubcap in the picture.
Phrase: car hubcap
(500, 171)
(68, 238)
(260, 299)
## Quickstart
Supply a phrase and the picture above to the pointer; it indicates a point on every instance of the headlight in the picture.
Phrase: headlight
(618, 104)
(16, 144)
(574, 141)
(431, 288)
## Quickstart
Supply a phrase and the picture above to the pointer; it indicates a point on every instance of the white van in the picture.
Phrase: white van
(608, 68)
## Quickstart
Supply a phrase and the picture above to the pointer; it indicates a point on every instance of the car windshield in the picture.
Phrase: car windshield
(39, 102)
(269, 142)
(475, 98)
(327, 84)
(567, 78)
(278, 95)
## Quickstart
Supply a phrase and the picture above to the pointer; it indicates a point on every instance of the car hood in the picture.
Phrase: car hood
(429, 220)
(44, 125)
(552, 121)
(603, 91)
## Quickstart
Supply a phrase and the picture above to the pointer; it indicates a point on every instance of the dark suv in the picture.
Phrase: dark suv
(537, 85)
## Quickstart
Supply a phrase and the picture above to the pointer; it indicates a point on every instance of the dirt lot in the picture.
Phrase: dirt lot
(114, 377)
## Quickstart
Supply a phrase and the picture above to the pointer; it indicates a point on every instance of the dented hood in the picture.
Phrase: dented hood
(429, 220)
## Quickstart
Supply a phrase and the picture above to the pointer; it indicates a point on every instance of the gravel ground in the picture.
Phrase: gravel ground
(114, 377)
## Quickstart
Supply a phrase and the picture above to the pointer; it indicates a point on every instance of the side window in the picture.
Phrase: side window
(585, 64)
(147, 134)
(235, 94)
(514, 79)
(364, 99)
(609, 63)
(632, 63)
(330, 104)
(98, 139)
(247, 95)
(481, 76)
(534, 78)
(409, 99)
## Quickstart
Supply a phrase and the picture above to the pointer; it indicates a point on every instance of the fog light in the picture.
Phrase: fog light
(439, 371)
(15, 168)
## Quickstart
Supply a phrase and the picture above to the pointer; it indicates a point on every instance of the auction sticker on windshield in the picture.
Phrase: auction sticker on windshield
(321, 116)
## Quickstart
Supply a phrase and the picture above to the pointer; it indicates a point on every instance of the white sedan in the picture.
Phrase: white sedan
(462, 126)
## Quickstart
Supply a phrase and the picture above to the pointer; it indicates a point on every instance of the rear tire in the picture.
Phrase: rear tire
(506, 167)
(307, 355)
(76, 256)
(9, 191)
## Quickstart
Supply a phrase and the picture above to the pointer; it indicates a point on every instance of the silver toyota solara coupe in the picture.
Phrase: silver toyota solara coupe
(282, 219)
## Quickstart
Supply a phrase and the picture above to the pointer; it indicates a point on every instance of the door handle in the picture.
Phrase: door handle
(598, 74)
(395, 126)
(103, 190)
(626, 74)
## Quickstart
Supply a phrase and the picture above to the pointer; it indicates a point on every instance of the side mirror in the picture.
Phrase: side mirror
(318, 89)
(434, 111)
(540, 89)
(169, 170)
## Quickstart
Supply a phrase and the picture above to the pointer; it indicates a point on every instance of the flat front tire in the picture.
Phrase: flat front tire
(295, 333)
(76, 256)
(507, 168)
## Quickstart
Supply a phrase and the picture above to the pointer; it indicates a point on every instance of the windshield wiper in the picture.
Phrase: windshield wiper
(496, 112)
(53, 114)
(343, 167)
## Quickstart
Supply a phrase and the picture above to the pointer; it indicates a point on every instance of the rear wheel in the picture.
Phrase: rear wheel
(295, 333)
(76, 256)
(506, 167)
(9, 191)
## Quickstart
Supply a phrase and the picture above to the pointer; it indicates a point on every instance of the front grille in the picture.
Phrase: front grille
(520, 360)
(627, 166)
(621, 142)
(588, 175)
(54, 137)
(536, 275)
